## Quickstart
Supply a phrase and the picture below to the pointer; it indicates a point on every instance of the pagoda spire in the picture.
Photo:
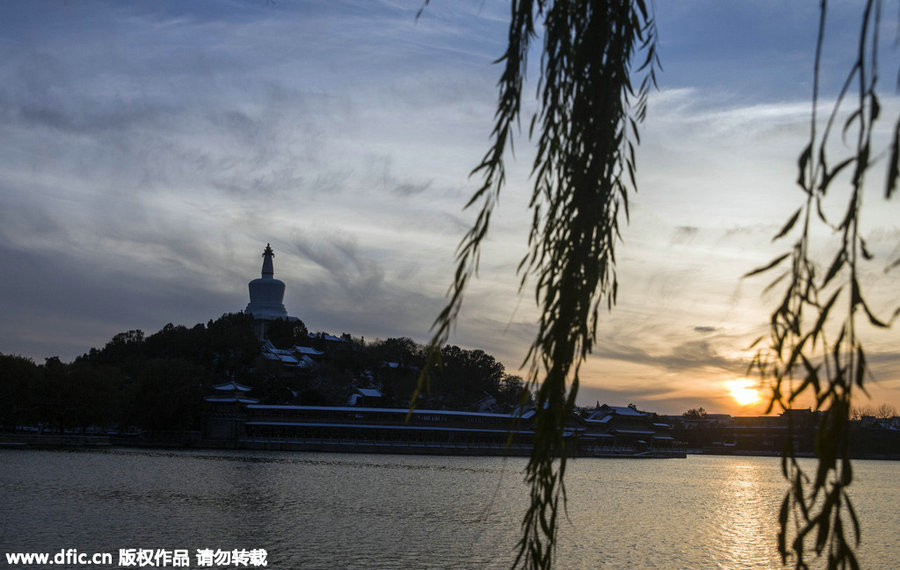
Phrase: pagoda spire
(268, 268)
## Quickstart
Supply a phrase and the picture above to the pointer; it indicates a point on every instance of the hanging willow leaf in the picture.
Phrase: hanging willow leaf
(830, 174)
(836, 265)
(864, 249)
(893, 169)
(768, 266)
(790, 224)
(803, 165)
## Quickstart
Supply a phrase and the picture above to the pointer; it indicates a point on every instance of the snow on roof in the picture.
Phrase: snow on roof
(231, 387)
(633, 431)
(523, 413)
(386, 426)
(283, 358)
(307, 350)
(626, 411)
(369, 392)
(289, 407)
(218, 400)
(604, 420)
(606, 411)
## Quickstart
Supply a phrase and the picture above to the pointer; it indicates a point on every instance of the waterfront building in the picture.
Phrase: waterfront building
(628, 426)
(365, 428)
(224, 411)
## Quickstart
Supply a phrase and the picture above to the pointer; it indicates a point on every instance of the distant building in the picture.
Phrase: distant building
(224, 411)
(266, 297)
(370, 397)
(360, 427)
(302, 357)
(628, 426)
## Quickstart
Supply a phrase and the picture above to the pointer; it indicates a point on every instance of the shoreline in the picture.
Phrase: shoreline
(192, 441)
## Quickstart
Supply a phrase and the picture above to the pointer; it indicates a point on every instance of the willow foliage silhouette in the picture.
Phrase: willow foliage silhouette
(814, 347)
(585, 132)
(585, 164)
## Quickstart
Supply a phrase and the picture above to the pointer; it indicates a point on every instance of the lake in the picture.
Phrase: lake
(380, 511)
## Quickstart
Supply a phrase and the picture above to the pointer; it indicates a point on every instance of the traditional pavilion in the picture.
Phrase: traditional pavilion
(266, 297)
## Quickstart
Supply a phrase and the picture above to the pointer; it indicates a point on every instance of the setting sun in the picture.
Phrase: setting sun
(743, 392)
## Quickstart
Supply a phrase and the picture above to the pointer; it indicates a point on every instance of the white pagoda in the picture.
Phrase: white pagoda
(266, 297)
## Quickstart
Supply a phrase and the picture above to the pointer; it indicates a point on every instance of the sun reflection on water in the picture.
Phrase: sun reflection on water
(746, 495)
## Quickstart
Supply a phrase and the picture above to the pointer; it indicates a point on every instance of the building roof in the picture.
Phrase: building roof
(226, 400)
(287, 407)
(604, 412)
(232, 387)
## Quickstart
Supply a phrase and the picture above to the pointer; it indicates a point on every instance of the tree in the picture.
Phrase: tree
(18, 379)
(467, 375)
(167, 395)
(285, 334)
(882, 412)
(585, 129)
(885, 412)
(694, 414)
(513, 391)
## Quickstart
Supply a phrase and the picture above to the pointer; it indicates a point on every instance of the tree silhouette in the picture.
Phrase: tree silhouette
(694, 414)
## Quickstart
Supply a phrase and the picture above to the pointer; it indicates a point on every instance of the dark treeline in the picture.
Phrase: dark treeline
(156, 383)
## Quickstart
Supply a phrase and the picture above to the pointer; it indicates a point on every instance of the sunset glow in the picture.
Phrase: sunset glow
(743, 392)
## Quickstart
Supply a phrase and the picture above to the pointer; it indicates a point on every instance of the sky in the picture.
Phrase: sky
(150, 151)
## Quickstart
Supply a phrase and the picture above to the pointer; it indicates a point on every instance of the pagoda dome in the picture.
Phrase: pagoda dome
(267, 293)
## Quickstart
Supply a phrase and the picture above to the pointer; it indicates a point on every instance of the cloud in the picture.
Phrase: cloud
(151, 151)
(344, 264)
(684, 234)
(687, 356)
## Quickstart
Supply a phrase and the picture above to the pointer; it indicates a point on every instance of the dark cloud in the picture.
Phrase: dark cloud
(684, 234)
(411, 189)
(354, 272)
(73, 305)
(682, 357)
(590, 395)
(702, 329)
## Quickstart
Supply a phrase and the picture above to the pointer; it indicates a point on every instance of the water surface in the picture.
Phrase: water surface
(381, 511)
